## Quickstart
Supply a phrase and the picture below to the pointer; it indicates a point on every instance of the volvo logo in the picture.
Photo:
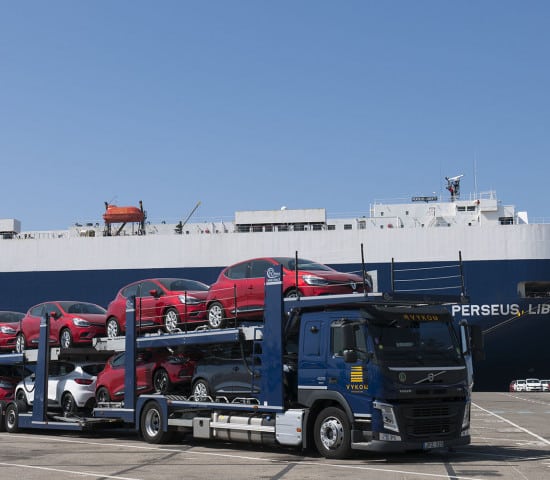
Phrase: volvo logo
(430, 377)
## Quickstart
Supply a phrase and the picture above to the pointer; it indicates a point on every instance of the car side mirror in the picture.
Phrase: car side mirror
(155, 293)
(53, 314)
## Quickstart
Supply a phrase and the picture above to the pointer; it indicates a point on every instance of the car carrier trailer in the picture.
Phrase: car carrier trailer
(378, 372)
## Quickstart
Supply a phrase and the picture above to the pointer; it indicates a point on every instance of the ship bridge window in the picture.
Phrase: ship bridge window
(269, 228)
(534, 289)
(257, 228)
(332, 227)
(317, 226)
(362, 225)
(506, 220)
(348, 226)
(282, 228)
(461, 209)
(471, 208)
(299, 227)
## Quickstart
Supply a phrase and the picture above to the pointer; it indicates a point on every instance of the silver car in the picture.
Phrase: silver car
(71, 386)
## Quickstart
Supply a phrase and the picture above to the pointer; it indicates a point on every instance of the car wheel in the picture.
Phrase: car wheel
(161, 381)
(68, 404)
(113, 328)
(102, 395)
(66, 338)
(20, 343)
(216, 317)
(201, 391)
(171, 320)
(293, 293)
(21, 399)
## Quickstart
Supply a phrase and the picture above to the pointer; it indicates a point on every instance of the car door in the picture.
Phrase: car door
(148, 307)
(256, 284)
(57, 320)
(31, 323)
(238, 288)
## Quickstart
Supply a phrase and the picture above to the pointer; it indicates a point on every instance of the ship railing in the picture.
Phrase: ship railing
(448, 277)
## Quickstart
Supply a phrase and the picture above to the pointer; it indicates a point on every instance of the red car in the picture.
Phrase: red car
(71, 323)
(240, 288)
(9, 323)
(10, 376)
(157, 371)
(166, 303)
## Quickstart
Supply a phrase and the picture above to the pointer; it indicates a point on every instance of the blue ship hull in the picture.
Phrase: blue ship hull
(517, 329)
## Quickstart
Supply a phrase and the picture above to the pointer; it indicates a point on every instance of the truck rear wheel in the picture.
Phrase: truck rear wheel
(11, 420)
(332, 433)
(152, 419)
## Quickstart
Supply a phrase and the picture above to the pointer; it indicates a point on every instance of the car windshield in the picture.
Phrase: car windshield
(414, 342)
(182, 284)
(11, 317)
(82, 307)
(290, 264)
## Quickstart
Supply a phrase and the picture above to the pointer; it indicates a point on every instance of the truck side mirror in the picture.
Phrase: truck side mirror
(350, 356)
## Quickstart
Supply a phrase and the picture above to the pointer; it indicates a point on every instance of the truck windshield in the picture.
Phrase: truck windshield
(414, 343)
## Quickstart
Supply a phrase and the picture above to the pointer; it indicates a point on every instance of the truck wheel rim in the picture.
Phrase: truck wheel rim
(152, 423)
(332, 433)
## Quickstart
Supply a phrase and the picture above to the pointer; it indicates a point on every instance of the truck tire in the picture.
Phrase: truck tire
(151, 424)
(2, 423)
(11, 419)
(332, 433)
(216, 316)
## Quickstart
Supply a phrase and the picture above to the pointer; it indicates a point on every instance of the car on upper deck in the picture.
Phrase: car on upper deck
(239, 289)
(9, 323)
(169, 304)
(71, 323)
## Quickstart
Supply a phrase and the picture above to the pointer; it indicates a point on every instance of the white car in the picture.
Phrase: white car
(533, 385)
(521, 386)
(545, 385)
(71, 386)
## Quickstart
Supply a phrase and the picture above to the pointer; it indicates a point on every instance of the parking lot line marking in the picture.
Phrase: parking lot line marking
(515, 425)
(60, 470)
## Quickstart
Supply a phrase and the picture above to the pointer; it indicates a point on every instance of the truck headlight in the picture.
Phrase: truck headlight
(388, 416)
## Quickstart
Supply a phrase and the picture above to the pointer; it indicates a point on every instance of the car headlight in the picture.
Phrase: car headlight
(388, 416)
(316, 281)
(189, 300)
(80, 322)
(7, 330)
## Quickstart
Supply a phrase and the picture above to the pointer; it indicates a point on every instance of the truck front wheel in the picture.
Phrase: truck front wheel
(151, 424)
(332, 433)
(11, 419)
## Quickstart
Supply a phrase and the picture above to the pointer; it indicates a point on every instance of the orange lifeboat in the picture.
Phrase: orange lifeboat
(114, 214)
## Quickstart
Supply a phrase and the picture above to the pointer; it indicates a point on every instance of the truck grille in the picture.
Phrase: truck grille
(440, 420)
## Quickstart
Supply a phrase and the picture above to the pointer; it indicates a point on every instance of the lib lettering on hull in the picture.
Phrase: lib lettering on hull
(499, 309)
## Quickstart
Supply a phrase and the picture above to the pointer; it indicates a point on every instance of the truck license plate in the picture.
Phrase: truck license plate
(437, 444)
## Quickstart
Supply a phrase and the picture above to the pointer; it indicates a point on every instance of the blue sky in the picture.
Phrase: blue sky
(247, 105)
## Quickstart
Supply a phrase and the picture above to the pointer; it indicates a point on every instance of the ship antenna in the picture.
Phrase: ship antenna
(363, 269)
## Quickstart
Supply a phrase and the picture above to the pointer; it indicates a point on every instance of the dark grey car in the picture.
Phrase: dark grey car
(226, 371)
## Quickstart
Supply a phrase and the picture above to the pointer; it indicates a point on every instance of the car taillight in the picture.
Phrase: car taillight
(84, 381)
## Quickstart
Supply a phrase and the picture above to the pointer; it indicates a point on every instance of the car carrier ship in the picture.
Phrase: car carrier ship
(506, 260)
